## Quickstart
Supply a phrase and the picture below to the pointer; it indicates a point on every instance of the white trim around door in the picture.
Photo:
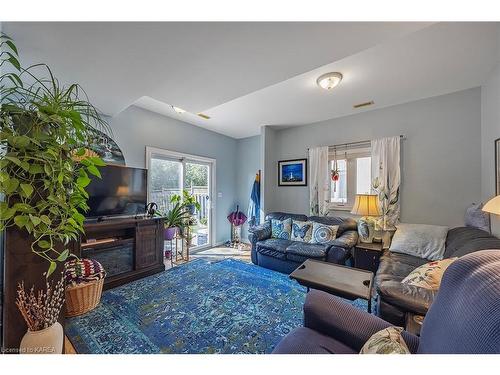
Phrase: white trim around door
(183, 157)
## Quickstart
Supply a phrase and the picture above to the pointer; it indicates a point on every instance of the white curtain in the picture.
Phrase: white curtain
(386, 178)
(319, 181)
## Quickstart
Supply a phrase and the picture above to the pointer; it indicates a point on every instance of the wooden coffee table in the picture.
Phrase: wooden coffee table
(342, 281)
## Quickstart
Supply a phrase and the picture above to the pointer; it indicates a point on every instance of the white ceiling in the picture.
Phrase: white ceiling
(245, 75)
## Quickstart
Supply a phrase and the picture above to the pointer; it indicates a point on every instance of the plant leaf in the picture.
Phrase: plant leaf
(21, 220)
(63, 256)
(27, 189)
(93, 170)
(52, 268)
(83, 181)
(44, 244)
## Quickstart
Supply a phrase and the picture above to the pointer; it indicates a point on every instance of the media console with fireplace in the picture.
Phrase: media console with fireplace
(116, 234)
(128, 248)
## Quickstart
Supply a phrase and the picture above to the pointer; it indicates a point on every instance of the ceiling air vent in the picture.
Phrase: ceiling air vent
(204, 116)
(365, 104)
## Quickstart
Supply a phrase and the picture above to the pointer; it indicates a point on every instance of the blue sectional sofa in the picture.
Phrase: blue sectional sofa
(285, 255)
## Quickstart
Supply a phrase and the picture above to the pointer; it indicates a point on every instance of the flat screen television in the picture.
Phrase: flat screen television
(122, 191)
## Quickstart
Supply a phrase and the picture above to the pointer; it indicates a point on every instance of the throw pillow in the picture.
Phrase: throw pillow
(420, 240)
(386, 341)
(477, 218)
(301, 230)
(428, 275)
(281, 228)
(322, 233)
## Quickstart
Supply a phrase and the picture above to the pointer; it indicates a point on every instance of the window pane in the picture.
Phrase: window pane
(363, 175)
(197, 184)
(165, 178)
(339, 187)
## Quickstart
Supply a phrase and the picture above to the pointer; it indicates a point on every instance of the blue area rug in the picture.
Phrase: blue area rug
(200, 307)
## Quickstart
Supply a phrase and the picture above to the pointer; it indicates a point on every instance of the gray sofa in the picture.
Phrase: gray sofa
(395, 300)
(285, 255)
(464, 318)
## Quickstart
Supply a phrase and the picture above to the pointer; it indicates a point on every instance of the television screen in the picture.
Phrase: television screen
(121, 191)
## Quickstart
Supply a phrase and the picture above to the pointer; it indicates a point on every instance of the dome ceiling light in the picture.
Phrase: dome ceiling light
(329, 80)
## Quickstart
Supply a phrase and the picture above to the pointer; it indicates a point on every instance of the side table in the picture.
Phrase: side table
(367, 255)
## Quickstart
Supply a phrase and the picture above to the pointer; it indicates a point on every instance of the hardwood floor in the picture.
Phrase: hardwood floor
(68, 346)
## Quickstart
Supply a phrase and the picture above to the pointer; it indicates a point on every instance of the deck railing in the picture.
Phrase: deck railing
(162, 199)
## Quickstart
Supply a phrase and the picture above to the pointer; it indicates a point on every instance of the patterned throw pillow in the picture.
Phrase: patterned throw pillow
(386, 341)
(322, 233)
(281, 228)
(428, 275)
(301, 230)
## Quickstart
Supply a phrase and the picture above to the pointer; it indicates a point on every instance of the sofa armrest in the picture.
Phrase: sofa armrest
(336, 318)
(347, 240)
(259, 232)
(406, 297)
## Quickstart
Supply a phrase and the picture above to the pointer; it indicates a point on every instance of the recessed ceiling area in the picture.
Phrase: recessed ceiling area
(245, 75)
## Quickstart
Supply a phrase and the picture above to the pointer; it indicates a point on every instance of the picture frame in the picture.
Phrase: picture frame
(497, 166)
(292, 172)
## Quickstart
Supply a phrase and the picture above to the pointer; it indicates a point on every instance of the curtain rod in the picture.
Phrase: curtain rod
(401, 136)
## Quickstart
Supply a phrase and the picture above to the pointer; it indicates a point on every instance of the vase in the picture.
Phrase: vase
(366, 229)
(46, 341)
(169, 233)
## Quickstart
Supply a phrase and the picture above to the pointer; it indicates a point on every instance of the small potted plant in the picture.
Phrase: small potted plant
(188, 201)
(40, 311)
(174, 219)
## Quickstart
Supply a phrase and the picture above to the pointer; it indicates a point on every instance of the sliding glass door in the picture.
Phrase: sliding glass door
(169, 174)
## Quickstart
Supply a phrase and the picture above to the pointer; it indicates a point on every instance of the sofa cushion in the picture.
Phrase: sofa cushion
(386, 341)
(307, 341)
(475, 217)
(344, 223)
(284, 215)
(421, 240)
(464, 240)
(301, 230)
(428, 275)
(323, 233)
(308, 250)
(281, 228)
(274, 247)
(395, 266)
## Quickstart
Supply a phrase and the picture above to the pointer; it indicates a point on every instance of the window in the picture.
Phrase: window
(354, 178)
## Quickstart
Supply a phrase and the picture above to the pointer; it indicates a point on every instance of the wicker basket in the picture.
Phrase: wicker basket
(82, 298)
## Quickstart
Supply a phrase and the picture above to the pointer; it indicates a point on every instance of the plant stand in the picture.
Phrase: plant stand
(181, 255)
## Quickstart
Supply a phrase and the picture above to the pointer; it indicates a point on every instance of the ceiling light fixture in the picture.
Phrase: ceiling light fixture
(180, 111)
(329, 80)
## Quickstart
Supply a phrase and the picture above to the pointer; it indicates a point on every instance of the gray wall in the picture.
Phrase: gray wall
(490, 130)
(441, 156)
(247, 165)
(136, 128)
(269, 169)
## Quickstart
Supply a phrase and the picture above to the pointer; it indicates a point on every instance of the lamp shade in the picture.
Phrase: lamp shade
(366, 205)
(493, 205)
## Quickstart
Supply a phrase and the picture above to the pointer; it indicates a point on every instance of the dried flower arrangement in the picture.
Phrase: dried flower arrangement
(41, 310)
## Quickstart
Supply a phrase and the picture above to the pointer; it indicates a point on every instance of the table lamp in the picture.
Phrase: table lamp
(493, 206)
(366, 205)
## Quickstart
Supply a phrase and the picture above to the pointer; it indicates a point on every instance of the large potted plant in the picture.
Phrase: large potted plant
(46, 132)
(188, 201)
(174, 220)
